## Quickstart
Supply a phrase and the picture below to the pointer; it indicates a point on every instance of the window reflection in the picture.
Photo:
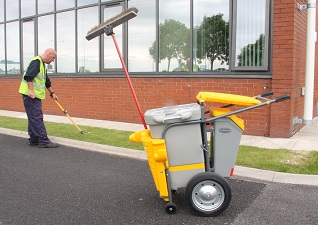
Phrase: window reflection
(111, 59)
(45, 6)
(141, 34)
(46, 37)
(174, 35)
(65, 42)
(250, 33)
(12, 10)
(86, 2)
(88, 60)
(1, 10)
(13, 49)
(27, 8)
(62, 4)
(211, 35)
(2, 55)
(28, 43)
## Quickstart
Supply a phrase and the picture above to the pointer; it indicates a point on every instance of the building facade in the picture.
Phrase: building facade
(173, 49)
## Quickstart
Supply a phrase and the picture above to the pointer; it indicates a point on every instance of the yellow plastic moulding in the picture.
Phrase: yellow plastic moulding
(157, 159)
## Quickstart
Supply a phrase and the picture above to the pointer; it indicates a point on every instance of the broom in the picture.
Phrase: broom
(107, 28)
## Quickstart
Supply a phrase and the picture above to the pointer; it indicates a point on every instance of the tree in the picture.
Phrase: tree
(174, 41)
(212, 39)
(253, 54)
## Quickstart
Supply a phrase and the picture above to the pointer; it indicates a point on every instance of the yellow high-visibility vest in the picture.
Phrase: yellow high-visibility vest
(38, 81)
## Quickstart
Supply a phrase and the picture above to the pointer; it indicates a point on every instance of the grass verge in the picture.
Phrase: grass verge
(280, 160)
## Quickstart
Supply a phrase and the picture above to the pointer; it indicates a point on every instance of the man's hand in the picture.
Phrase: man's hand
(54, 96)
(31, 94)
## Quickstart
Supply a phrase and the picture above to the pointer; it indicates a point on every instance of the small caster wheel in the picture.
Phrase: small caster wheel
(171, 208)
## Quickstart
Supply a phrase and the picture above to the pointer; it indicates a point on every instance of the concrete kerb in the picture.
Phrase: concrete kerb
(141, 155)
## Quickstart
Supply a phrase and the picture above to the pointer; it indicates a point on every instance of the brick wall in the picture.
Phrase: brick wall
(111, 99)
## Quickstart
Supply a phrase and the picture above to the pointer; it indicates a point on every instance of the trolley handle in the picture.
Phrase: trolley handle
(267, 94)
(282, 98)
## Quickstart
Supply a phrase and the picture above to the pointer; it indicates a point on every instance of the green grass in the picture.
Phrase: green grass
(280, 160)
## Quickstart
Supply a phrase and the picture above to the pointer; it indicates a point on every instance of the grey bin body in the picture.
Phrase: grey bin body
(225, 145)
(182, 142)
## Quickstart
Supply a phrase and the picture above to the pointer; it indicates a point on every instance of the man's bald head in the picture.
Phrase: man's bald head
(49, 55)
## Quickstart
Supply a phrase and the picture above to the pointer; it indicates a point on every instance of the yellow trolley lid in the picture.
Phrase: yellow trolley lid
(227, 98)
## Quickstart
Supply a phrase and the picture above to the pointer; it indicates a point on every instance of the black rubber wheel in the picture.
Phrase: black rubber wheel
(208, 194)
(171, 208)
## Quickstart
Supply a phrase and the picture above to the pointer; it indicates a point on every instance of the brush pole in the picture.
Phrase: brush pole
(128, 78)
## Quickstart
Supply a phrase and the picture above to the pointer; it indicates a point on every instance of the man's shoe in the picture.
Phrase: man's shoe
(33, 143)
(49, 145)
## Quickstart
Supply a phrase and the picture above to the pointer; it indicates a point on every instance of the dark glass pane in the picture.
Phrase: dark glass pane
(28, 43)
(250, 33)
(88, 51)
(1, 10)
(46, 37)
(27, 8)
(64, 4)
(45, 6)
(86, 2)
(174, 34)
(2, 53)
(65, 42)
(211, 35)
(12, 10)
(111, 59)
(141, 36)
(13, 48)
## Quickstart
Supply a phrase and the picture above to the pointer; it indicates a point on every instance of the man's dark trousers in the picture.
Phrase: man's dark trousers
(36, 127)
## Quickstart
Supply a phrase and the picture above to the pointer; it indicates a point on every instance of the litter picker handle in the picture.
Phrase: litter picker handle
(282, 98)
(68, 116)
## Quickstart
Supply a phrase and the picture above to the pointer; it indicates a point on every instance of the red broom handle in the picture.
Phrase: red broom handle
(129, 82)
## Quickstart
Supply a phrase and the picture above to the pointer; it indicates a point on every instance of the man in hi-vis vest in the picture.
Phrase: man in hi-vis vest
(33, 89)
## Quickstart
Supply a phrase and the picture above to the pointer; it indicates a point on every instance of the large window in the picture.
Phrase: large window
(167, 38)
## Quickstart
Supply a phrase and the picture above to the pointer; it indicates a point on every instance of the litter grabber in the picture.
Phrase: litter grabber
(107, 28)
(66, 113)
(189, 148)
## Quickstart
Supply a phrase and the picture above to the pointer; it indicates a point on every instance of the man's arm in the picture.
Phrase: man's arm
(49, 88)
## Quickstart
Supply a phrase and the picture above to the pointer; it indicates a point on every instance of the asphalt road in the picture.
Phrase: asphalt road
(72, 186)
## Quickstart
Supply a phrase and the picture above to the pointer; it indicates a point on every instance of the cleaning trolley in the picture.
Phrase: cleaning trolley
(179, 153)
(190, 147)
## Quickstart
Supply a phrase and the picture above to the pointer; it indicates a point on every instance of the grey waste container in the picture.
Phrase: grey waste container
(182, 142)
(226, 140)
